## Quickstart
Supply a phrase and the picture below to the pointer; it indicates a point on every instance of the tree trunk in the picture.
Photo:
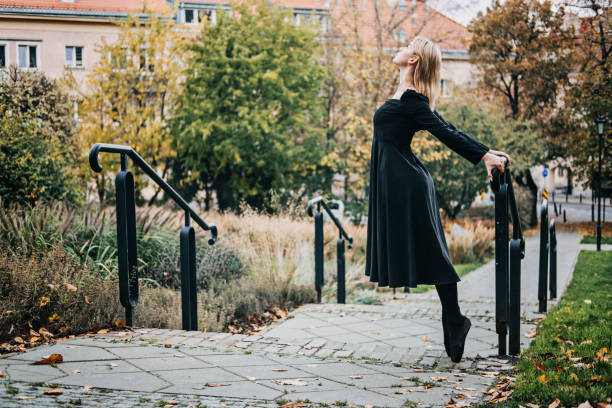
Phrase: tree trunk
(206, 197)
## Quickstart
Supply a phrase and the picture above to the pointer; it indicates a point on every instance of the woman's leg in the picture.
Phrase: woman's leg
(455, 325)
(450, 305)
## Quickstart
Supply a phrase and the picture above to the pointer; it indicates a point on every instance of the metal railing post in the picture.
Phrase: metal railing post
(318, 253)
(126, 241)
(501, 263)
(507, 262)
(341, 271)
(341, 264)
(514, 320)
(543, 271)
(553, 260)
(189, 302)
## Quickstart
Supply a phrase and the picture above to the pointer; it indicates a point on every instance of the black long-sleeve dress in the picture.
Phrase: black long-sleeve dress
(405, 239)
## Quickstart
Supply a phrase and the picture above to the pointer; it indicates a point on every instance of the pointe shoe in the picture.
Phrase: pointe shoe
(458, 340)
(445, 330)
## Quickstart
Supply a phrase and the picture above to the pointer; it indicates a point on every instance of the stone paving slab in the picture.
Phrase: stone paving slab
(240, 375)
(379, 355)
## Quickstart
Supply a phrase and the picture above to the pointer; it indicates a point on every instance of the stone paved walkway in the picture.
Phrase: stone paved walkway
(390, 355)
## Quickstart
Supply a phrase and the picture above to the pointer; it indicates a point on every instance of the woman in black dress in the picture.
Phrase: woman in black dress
(405, 240)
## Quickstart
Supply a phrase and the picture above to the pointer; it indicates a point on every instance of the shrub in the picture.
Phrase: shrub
(35, 293)
(38, 150)
(247, 296)
(474, 246)
(217, 266)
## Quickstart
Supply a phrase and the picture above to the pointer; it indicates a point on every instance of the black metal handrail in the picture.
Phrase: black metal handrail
(553, 260)
(318, 216)
(507, 262)
(544, 250)
(547, 274)
(144, 166)
(126, 234)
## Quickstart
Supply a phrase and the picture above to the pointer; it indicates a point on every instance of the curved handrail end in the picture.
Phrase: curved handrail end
(93, 157)
(213, 234)
(311, 203)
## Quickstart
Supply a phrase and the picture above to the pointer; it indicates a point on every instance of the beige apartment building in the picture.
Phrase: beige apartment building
(55, 35)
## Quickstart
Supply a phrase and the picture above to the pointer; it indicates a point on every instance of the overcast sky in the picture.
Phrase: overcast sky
(461, 10)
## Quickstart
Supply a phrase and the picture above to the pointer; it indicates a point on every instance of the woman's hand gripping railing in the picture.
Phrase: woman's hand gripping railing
(126, 234)
(318, 216)
(507, 263)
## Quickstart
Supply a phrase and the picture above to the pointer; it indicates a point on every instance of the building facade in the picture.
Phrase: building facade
(55, 35)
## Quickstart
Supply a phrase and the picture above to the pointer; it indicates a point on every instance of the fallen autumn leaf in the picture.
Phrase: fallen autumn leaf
(54, 391)
(53, 358)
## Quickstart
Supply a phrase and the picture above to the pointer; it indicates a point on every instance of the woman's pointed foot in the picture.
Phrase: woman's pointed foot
(458, 336)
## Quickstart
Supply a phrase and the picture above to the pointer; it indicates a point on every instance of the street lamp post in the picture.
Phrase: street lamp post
(601, 123)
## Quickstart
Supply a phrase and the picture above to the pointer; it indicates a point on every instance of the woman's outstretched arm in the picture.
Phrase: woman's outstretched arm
(452, 137)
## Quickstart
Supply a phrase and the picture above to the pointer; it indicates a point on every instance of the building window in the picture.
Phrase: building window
(74, 56)
(75, 110)
(445, 89)
(27, 56)
(120, 59)
(399, 35)
(198, 16)
(312, 16)
(3, 56)
(190, 17)
(208, 15)
(325, 22)
(145, 60)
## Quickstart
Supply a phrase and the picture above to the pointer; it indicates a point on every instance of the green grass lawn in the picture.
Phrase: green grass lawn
(592, 239)
(462, 270)
(570, 358)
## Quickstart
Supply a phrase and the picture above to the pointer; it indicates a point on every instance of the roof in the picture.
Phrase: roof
(116, 6)
(449, 34)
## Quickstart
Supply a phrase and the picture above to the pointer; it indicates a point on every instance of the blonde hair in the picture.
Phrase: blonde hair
(427, 70)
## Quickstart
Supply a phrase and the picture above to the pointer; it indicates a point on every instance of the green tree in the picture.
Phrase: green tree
(38, 150)
(457, 181)
(523, 49)
(249, 116)
(131, 91)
